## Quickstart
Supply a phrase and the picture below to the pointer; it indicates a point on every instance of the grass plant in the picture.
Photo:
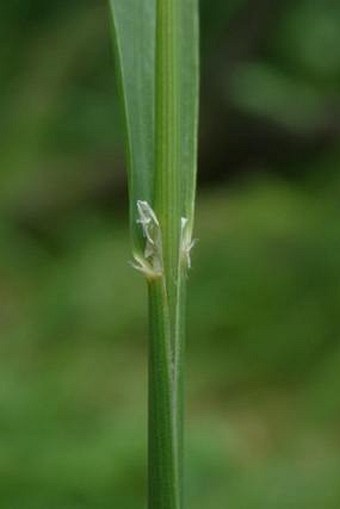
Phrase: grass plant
(156, 44)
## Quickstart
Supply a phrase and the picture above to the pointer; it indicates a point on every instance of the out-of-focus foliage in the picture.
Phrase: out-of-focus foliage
(298, 81)
(264, 350)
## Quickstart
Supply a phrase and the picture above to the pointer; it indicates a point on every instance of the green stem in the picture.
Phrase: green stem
(165, 404)
(166, 294)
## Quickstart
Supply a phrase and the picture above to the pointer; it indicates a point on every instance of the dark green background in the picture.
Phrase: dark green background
(263, 350)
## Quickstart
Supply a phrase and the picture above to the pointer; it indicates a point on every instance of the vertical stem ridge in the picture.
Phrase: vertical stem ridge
(163, 489)
(166, 314)
(165, 397)
(167, 174)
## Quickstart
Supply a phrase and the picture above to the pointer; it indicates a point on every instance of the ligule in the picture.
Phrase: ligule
(152, 264)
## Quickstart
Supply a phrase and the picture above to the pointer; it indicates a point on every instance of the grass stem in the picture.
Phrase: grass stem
(167, 294)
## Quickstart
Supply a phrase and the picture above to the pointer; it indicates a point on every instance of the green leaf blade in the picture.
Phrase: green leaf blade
(188, 64)
(134, 24)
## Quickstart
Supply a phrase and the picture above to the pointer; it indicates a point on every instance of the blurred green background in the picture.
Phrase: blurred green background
(264, 310)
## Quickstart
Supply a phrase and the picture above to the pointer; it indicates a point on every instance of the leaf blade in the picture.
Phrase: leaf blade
(189, 102)
(134, 40)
